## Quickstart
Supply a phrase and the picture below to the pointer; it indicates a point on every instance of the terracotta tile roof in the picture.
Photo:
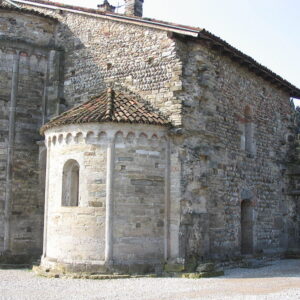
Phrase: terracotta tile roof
(194, 33)
(110, 106)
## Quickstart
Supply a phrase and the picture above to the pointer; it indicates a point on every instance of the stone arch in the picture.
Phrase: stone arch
(247, 222)
(33, 61)
(60, 139)
(69, 138)
(143, 139)
(119, 137)
(79, 137)
(154, 140)
(70, 183)
(102, 137)
(54, 140)
(289, 138)
(163, 140)
(130, 138)
(90, 137)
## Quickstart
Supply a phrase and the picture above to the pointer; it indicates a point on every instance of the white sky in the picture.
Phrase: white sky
(267, 30)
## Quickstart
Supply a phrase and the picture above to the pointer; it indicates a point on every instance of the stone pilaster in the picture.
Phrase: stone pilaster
(109, 203)
(10, 148)
(167, 203)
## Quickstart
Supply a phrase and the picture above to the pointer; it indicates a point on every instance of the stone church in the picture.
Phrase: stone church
(129, 142)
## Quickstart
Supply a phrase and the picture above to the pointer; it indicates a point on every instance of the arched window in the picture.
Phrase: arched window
(70, 183)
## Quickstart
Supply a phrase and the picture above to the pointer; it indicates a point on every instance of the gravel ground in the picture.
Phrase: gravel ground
(279, 280)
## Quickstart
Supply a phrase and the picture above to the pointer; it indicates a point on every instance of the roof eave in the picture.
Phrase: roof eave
(247, 61)
(189, 31)
(50, 126)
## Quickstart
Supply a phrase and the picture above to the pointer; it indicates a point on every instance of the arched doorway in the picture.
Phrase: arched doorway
(246, 227)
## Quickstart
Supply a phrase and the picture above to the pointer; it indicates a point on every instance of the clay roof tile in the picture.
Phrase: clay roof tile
(110, 106)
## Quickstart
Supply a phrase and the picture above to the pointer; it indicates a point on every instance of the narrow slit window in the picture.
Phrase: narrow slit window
(248, 137)
(248, 131)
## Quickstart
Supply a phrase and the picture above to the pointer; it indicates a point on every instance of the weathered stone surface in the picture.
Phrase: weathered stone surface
(21, 215)
(208, 267)
(177, 268)
(216, 166)
(233, 141)
(78, 233)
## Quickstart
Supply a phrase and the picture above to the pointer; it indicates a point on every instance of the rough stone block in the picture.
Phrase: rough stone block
(177, 268)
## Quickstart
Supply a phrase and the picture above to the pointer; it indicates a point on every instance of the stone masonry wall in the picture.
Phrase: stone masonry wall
(105, 51)
(77, 234)
(139, 195)
(23, 68)
(218, 172)
(27, 207)
(21, 26)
